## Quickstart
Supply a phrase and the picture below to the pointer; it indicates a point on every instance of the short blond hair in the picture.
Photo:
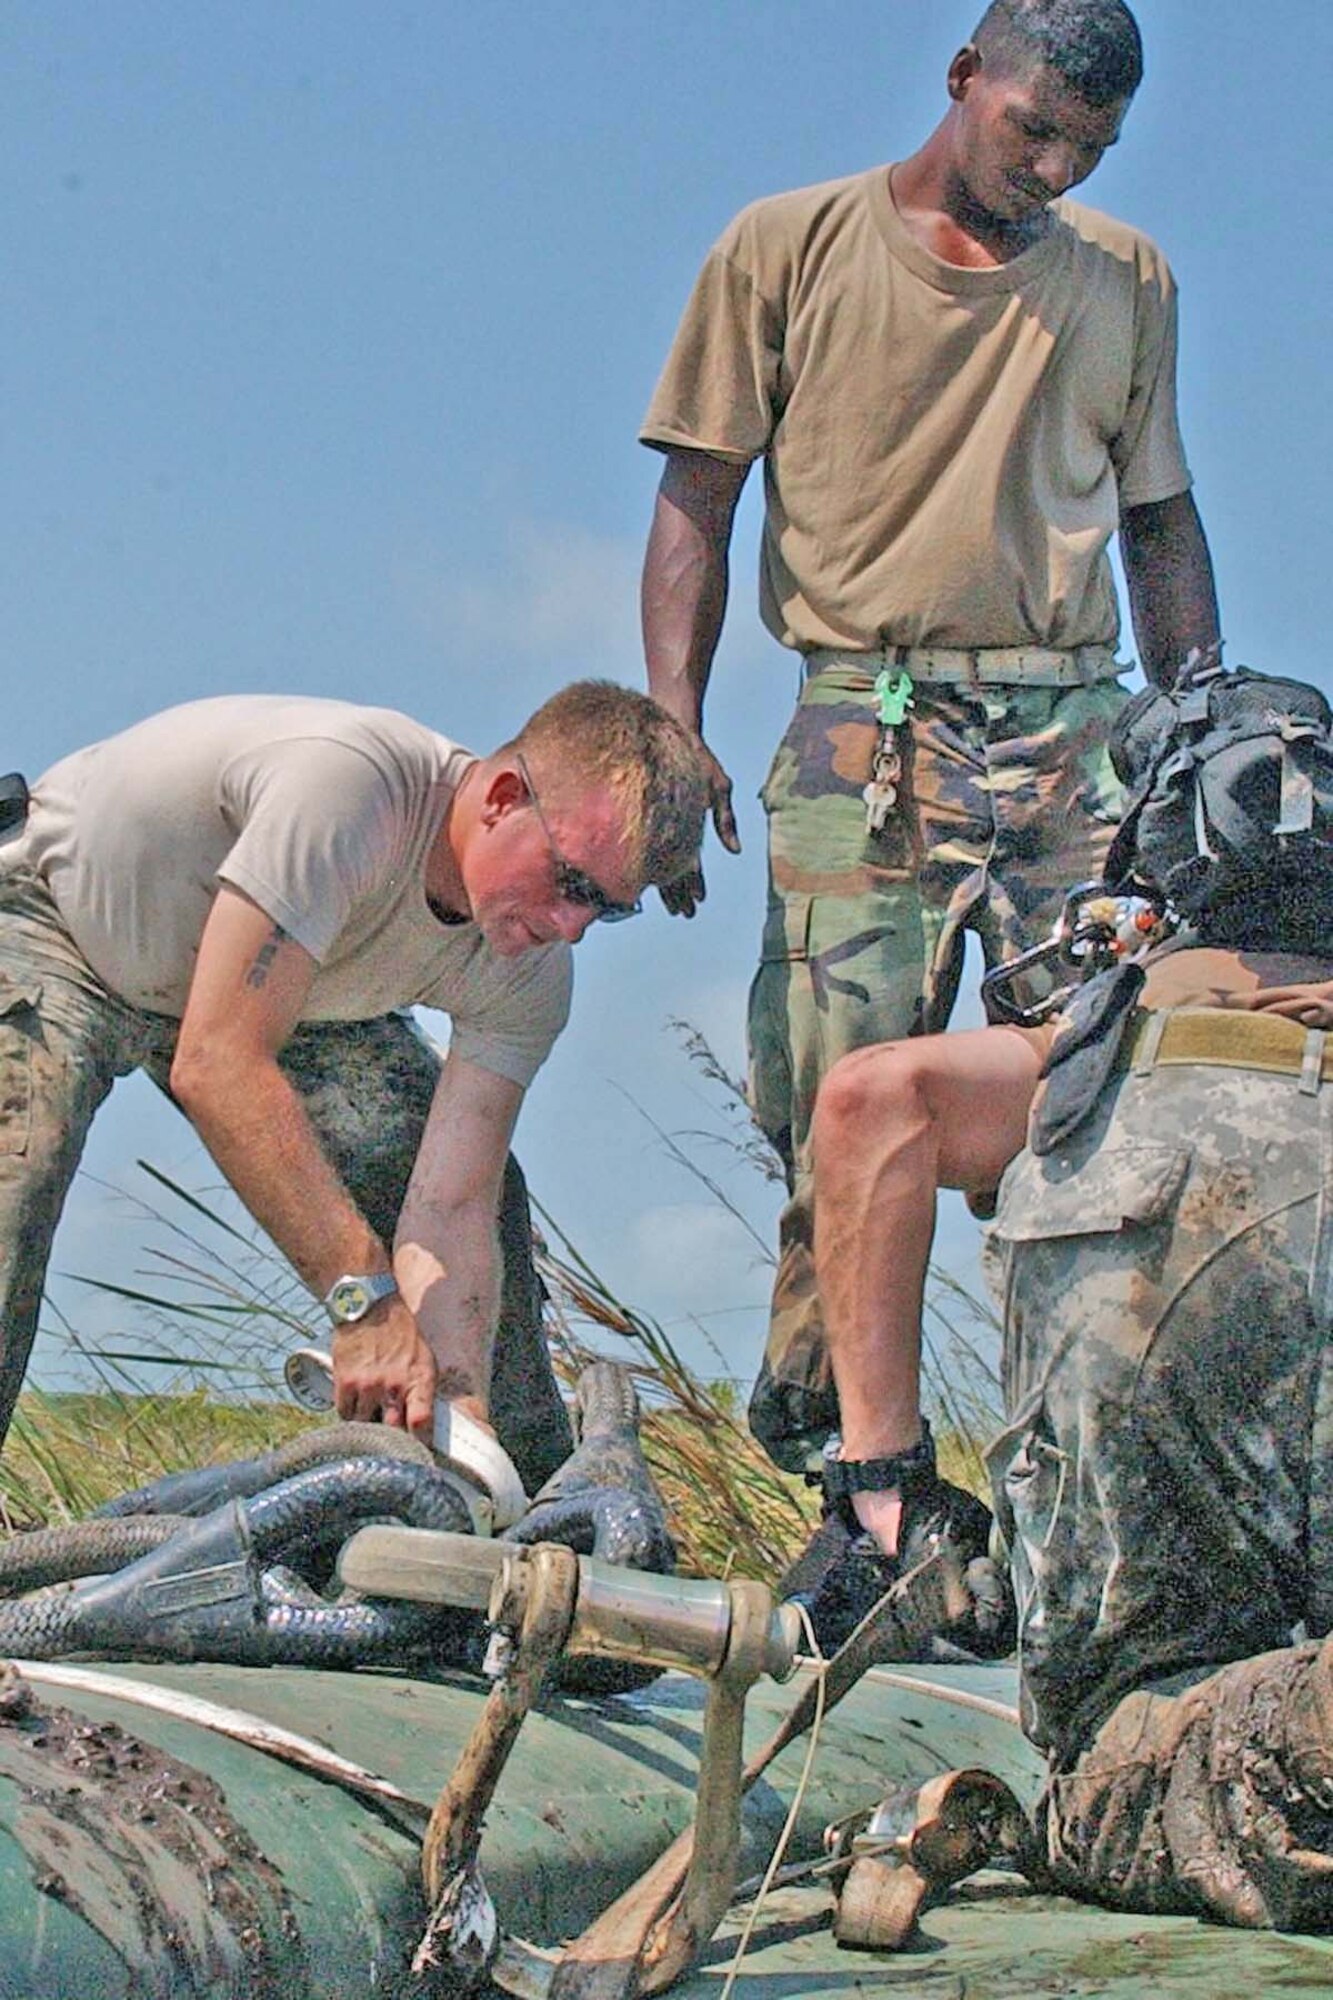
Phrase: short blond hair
(597, 733)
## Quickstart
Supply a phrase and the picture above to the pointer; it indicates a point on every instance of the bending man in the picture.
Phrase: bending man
(239, 896)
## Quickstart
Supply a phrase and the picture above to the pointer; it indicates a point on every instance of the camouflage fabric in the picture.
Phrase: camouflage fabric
(1165, 1482)
(367, 1086)
(1008, 798)
(1210, 1800)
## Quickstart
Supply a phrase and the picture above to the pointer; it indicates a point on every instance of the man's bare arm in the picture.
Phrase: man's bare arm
(249, 985)
(1311, 1005)
(446, 1250)
(684, 600)
(1169, 571)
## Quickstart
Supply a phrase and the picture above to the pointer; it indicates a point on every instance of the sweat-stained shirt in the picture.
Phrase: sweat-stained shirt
(946, 451)
(322, 812)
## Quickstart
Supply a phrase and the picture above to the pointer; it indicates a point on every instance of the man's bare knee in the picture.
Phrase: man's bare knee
(866, 1093)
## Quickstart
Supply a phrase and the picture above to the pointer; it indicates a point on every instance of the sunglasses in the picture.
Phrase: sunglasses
(572, 883)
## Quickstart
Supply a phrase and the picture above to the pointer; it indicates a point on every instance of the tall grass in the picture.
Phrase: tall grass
(196, 1380)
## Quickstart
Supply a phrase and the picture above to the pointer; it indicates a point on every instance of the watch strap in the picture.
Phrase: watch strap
(906, 1472)
(352, 1296)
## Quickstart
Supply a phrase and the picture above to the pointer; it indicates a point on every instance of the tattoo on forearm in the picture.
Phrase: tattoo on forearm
(265, 956)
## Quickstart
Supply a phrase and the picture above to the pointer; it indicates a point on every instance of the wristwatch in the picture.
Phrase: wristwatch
(906, 1472)
(350, 1298)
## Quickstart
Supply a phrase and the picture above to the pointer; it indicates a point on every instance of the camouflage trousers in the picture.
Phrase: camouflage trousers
(1213, 1799)
(1008, 799)
(366, 1086)
(1165, 1483)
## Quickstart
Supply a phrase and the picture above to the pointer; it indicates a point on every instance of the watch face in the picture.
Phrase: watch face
(349, 1300)
(352, 1297)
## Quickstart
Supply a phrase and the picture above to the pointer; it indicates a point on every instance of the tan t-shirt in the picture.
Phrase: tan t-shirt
(946, 451)
(324, 814)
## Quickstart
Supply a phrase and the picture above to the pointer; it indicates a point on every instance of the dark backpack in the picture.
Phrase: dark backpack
(1229, 813)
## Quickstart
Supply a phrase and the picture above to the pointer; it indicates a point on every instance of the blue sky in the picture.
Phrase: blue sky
(329, 328)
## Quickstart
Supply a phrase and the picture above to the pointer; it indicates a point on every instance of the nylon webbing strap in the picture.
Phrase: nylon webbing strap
(1321, 1265)
(1146, 1040)
(1319, 1598)
(1230, 1039)
(983, 666)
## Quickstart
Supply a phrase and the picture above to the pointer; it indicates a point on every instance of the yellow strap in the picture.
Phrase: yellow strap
(1230, 1039)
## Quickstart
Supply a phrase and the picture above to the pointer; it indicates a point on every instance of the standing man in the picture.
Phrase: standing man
(961, 386)
(240, 896)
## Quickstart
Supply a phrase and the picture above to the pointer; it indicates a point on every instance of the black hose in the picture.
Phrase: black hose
(603, 1501)
(328, 1502)
(607, 1402)
(229, 1562)
(84, 1548)
(135, 1523)
(204, 1487)
(201, 1593)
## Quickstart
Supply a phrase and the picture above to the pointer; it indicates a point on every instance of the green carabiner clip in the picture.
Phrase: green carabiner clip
(893, 691)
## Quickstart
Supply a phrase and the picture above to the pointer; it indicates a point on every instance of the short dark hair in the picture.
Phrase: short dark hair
(1094, 46)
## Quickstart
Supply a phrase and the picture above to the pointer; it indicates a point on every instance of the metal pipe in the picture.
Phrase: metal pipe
(625, 1614)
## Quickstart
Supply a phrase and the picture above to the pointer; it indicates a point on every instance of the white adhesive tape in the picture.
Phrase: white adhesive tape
(497, 1499)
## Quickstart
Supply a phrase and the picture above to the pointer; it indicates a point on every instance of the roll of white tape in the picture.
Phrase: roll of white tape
(458, 1441)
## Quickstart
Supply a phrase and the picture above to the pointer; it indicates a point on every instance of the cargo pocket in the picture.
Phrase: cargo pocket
(818, 846)
(1123, 1191)
(18, 1025)
(1034, 1491)
(1122, 1182)
(787, 917)
(786, 936)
